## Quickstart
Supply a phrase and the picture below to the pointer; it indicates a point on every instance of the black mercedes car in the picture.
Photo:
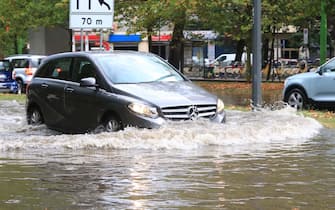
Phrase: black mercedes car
(78, 92)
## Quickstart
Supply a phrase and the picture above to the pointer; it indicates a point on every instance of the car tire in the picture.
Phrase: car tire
(20, 86)
(34, 116)
(296, 98)
(19, 90)
(112, 124)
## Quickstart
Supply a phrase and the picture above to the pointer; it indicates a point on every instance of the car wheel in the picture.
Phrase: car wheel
(20, 86)
(34, 116)
(296, 98)
(19, 90)
(112, 124)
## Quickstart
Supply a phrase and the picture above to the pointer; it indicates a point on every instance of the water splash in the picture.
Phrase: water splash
(267, 126)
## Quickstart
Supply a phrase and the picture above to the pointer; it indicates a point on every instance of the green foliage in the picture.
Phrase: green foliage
(18, 16)
(231, 18)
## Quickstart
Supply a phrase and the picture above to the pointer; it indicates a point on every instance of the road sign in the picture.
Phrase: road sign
(91, 14)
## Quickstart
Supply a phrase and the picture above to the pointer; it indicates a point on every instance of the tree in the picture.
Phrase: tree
(148, 16)
(19, 16)
(140, 16)
(233, 18)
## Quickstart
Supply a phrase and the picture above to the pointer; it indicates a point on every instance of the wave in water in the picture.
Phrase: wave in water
(284, 126)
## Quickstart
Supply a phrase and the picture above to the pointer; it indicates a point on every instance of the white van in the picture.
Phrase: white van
(227, 58)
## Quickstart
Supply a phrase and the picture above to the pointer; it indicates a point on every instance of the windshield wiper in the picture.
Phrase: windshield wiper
(164, 77)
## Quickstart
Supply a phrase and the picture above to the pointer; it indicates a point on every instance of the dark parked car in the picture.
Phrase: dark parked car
(80, 91)
(7, 83)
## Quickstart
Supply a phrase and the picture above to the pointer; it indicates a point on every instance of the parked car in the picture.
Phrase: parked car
(79, 91)
(219, 60)
(7, 83)
(223, 58)
(24, 68)
(311, 88)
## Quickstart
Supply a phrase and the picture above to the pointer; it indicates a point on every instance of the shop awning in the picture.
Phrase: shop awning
(124, 38)
(162, 38)
(91, 37)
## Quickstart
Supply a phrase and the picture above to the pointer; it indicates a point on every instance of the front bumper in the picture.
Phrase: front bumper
(10, 87)
(139, 121)
(219, 117)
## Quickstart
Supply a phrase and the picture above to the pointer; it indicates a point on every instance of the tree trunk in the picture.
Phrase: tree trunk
(248, 63)
(239, 50)
(150, 32)
(16, 46)
(176, 54)
(266, 51)
(271, 54)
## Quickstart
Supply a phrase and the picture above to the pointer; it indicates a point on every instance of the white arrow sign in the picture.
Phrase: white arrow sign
(91, 14)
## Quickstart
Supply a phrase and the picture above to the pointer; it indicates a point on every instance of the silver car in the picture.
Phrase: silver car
(80, 91)
(312, 88)
(25, 66)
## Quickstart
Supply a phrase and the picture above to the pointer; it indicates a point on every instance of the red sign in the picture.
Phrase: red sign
(91, 37)
(161, 38)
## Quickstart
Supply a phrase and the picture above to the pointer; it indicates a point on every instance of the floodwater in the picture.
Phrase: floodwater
(257, 160)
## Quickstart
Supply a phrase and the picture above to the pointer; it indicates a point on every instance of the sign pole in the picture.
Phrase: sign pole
(81, 40)
(86, 41)
(101, 34)
(73, 42)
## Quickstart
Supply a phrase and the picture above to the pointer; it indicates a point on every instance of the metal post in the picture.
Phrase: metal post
(73, 42)
(323, 33)
(257, 59)
(87, 48)
(159, 38)
(81, 40)
(101, 34)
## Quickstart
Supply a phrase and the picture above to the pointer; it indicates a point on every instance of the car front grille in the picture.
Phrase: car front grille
(189, 112)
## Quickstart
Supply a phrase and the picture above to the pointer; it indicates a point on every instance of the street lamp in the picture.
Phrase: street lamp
(257, 53)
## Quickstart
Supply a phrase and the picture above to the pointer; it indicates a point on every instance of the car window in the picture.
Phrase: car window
(329, 67)
(83, 68)
(136, 68)
(20, 63)
(35, 62)
(42, 71)
(60, 69)
(222, 58)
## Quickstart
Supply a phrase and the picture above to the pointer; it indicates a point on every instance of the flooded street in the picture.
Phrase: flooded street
(257, 160)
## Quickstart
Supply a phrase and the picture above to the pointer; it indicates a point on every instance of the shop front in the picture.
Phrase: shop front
(160, 45)
(125, 41)
(89, 42)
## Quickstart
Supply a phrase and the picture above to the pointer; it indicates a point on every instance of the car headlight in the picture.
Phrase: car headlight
(219, 106)
(143, 109)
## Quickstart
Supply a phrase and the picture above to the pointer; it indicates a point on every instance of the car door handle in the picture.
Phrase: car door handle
(44, 85)
(69, 90)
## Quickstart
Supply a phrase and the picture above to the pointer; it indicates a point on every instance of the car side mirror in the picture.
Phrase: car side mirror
(88, 82)
(320, 72)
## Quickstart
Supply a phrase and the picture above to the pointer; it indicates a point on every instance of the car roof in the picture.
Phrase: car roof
(92, 54)
(25, 56)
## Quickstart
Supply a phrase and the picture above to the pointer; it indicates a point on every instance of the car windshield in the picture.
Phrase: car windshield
(136, 68)
(4, 66)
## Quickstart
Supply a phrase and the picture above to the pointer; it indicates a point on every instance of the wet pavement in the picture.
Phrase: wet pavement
(257, 160)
